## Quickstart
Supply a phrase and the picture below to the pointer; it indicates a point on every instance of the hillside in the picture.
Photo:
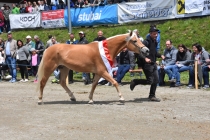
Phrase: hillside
(185, 31)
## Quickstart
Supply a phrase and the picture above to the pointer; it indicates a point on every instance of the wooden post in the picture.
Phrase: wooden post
(196, 74)
(67, 80)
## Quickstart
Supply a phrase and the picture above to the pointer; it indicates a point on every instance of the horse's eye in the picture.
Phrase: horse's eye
(135, 41)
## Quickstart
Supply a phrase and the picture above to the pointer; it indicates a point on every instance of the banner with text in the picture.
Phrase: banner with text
(192, 8)
(53, 19)
(92, 15)
(145, 11)
(28, 20)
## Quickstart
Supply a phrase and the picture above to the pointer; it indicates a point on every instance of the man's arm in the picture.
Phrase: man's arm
(173, 59)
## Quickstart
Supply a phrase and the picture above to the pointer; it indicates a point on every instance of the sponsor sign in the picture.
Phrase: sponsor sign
(145, 11)
(53, 19)
(28, 20)
(92, 15)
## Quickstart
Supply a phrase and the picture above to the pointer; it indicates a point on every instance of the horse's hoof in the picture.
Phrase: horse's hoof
(73, 99)
(121, 100)
(40, 103)
(91, 102)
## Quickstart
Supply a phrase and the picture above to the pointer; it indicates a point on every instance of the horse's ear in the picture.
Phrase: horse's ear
(131, 33)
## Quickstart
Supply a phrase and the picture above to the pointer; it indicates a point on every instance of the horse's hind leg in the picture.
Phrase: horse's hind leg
(94, 84)
(109, 78)
(63, 74)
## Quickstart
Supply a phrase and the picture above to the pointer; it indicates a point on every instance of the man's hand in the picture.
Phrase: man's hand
(163, 57)
(147, 60)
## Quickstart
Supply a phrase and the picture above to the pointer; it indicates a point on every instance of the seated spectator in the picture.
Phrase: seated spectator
(49, 42)
(168, 61)
(203, 59)
(182, 64)
(126, 63)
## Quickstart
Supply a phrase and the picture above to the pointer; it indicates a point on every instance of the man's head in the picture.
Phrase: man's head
(168, 44)
(9, 35)
(81, 34)
(100, 33)
(28, 38)
(71, 36)
(36, 38)
(153, 31)
(53, 39)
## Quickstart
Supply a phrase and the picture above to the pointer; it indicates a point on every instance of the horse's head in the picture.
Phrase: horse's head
(134, 44)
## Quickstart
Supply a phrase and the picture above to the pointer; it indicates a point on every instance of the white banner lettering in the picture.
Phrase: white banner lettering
(28, 20)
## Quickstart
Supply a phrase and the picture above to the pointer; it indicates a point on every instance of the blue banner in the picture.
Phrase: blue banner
(92, 15)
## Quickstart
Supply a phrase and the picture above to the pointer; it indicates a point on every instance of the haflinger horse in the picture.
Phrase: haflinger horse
(86, 58)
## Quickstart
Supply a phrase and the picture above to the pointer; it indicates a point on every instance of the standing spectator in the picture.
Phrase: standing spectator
(182, 64)
(30, 7)
(35, 7)
(126, 63)
(169, 60)
(100, 36)
(6, 13)
(82, 40)
(203, 58)
(46, 6)
(49, 42)
(39, 47)
(15, 9)
(10, 51)
(29, 44)
(72, 40)
(1, 26)
(157, 39)
(79, 4)
(149, 66)
(34, 63)
(41, 6)
(22, 60)
(137, 33)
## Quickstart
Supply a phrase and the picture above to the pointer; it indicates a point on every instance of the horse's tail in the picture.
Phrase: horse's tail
(40, 72)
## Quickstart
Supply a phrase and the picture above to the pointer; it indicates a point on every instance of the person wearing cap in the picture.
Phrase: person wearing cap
(29, 44)
(6, 13)
(82, 40)
(72, 40)
(149, 66)
(10, 55)
(39, 47)
(157, 39)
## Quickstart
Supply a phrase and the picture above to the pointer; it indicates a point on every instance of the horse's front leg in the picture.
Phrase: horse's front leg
(109, 78)
(94, 84)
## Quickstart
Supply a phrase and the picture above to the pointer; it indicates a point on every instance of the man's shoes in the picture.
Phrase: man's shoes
(172, 80)
(154, 99)
(178, 85)
(132, 84)
(190, 86)
(205, 86)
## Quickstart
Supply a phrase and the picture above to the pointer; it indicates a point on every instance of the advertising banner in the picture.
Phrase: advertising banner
(53, 19)
(92, 15)
(193, 6)
(26, 20)
(145, 10)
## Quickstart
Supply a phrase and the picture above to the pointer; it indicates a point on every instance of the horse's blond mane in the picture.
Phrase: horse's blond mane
(116, 36)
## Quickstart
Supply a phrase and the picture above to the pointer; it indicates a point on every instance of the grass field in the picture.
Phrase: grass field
(185, 31)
